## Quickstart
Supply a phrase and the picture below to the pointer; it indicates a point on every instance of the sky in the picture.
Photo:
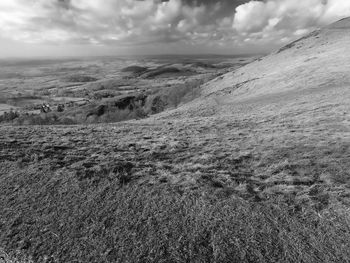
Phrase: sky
(31, 28)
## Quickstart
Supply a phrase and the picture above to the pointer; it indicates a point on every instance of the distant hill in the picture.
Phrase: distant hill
(134, 69)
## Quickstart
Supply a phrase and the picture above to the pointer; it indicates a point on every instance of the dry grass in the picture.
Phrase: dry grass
(14, 257)
(58, 218)
(209, 189)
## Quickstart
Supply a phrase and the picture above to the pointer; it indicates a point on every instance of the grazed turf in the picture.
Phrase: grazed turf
(249, 186)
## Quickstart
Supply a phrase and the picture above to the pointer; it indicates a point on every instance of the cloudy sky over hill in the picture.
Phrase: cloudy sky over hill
(113, 27)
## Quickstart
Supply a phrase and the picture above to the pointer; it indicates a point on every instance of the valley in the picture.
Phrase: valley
(74, 88)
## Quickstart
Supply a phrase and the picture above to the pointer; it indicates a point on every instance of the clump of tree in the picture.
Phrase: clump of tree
(174, 96)
(9, 116)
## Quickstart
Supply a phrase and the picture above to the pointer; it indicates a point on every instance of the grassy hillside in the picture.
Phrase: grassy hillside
(109, 222)
(318, 60)
(212, 189)
(254, 170)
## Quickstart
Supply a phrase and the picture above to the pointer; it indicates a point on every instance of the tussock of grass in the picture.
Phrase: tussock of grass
(14, 257)
(59, 218)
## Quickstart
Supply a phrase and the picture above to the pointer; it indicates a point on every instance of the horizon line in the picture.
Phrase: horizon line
(131, 55)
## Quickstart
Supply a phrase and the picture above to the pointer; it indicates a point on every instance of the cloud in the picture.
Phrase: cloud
(127, 23)
(335, 9)
(281, 20)
(121, 21)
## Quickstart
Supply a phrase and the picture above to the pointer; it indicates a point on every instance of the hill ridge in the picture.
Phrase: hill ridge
(316, 60)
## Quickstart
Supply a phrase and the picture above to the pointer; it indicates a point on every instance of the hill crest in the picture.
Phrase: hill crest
(317, 60)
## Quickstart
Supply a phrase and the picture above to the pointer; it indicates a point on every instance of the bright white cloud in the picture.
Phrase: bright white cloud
(335, 9)
(280, 20)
